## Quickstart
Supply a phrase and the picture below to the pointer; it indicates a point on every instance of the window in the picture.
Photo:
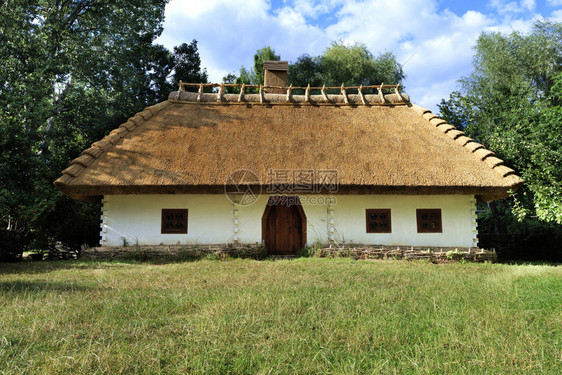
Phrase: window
(429, 220)
(378, 220)
(174, 221)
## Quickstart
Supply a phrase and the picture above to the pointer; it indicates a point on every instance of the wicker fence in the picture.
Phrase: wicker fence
(257, 251)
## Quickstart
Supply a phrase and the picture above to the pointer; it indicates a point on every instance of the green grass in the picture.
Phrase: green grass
(287, 316)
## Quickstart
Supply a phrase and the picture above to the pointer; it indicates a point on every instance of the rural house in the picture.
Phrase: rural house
(363, 165)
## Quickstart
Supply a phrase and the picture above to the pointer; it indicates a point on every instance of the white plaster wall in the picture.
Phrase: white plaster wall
(457, 215)
(213, 219)
(137, 219)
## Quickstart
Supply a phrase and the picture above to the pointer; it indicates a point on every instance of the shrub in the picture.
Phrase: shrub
(11, 246)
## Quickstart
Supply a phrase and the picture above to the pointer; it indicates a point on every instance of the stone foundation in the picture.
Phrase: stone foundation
(435, 255)
(186, 252)
(257, 251)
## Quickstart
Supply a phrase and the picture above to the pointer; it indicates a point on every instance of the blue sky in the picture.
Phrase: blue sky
(433, 39)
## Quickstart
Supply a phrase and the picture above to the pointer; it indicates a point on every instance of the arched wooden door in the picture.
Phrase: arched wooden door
(284, 225)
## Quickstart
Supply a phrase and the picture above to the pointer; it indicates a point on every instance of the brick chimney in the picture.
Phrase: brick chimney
(275, 74)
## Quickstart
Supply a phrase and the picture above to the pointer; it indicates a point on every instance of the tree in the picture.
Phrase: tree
(261, 55)
(355, 65)
(511, 104)
(187, 64)
(306, 70)
(348, 64)
(253, 76)
(72, 71)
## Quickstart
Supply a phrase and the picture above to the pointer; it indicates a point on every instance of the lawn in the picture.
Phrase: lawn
(305, 315)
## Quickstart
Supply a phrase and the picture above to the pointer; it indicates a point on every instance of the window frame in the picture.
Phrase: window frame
(429, 211)
(378, 211)
(165, 212)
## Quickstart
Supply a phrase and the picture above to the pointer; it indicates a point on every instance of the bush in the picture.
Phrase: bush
(11, 246)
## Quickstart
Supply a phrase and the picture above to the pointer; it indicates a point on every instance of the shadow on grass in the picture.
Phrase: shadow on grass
(49, 266)
(18, 286)
(41, 267)
(515, 262)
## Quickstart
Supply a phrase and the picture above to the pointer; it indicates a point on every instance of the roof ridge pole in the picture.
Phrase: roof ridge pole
(324, 93)
(361, 94)
(381, 95)
(261, 94)
(342, 90)
(289, 92)
(241, 96)
(219, 94)
(307, 94)
(200, 93)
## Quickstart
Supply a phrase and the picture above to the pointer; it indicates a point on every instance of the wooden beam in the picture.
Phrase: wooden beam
(345, 99)
(180, 89)
(324, 93)
(381, 95)
(289, 93)
(184, 84)
(200, 93)
(219, 94)
(397, 92)
(361, 94)
(241, 96)
(307, 94)
(261, 94)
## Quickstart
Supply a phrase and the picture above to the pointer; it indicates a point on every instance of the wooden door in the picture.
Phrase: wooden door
(284, 226)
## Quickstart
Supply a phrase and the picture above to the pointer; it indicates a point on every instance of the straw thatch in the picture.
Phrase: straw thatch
(188, 146)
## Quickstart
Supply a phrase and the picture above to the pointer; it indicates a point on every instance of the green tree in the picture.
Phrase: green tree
(253, 76)
(71, 72)
(511, 104)
(261, 55)
(187, 64)
(348, 64)
(306, 70)
(355, 65)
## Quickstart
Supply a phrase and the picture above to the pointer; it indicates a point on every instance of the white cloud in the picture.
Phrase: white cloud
(554, 3)
(557, 15)
(528, 4)
(435, 46)
(228, 33)
(312, 8)
(504, 7)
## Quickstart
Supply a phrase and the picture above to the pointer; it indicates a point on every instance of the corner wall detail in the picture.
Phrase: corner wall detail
(474, 224)
(103, 223)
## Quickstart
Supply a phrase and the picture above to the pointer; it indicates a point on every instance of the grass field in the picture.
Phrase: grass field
(287, 316)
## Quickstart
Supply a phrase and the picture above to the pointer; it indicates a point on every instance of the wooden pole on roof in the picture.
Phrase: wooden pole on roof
(200, 93)
(397, 92)
(307, 94)
(361, 94)
(324, 93)
(219, 94)
(241, 96)
(261, 94)
(381, 95)
(345, 99)
(180, 89)
(289, 93)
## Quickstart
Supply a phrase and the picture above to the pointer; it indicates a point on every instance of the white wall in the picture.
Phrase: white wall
(213, 219)
(457, 214)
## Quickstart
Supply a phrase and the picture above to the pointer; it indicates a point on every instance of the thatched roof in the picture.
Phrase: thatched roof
(192, 142)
